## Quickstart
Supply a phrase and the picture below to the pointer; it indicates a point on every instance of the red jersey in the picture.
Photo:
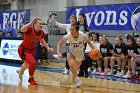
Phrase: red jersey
(32, 38)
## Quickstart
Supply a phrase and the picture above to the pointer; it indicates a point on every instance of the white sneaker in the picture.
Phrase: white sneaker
(19, 74)
(66, 71)
(56, 56)
(78, 82)
(118, 74)
(122, 73)
(127, 75)
(89, 70)
(110, 73)
(72, 78)
(94, 71)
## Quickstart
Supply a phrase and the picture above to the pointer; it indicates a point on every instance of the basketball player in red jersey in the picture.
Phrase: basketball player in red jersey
(33, 34)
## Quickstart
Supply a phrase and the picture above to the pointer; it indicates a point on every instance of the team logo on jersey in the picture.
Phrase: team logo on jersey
(104, 50)
(5, 48)
(119, 50)
(130, 51)
(138, 50)
(135, 19)
(33, 43)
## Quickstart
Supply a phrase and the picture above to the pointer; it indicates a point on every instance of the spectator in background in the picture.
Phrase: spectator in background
(131, 46)
(106, 49)
(83, 27)
(19, 34)
(10, 29)
(135, 60)
(8, 34)
(95, 41)
(119, 55)
(1, 33)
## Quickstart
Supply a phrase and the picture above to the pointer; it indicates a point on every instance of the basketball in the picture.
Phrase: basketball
(94, 54)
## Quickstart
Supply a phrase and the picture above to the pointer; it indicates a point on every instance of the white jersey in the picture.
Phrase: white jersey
(76, 47)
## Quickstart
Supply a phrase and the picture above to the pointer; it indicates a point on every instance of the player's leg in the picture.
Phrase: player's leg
(118, 59)
(112, 61)
(66, 71)
(74, 67)
(78, 82)
(32, 67)
(133, 67)
(122, 65)
(99, 65)
(106, 60)
(25, 65)
(81, 69)
(22, 69)
(72, 64)
(129, 69)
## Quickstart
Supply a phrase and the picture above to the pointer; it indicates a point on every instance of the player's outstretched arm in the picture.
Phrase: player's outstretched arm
(60, 43)
(64, 26)
(24, 27)
(42, 41)
(89, 43)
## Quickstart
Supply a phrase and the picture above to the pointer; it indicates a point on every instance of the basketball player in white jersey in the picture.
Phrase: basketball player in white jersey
(67, 28)
(75, 52)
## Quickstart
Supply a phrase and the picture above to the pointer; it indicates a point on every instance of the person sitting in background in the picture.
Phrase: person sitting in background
(19, 34)
(95, 41)
(131, 45)
(1, 33)
(8, 34)
(10, 29)
(106, 49)
(119, 55)
(135, 60)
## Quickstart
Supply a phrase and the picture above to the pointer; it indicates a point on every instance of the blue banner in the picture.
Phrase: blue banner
(18, 18)
(109, 17)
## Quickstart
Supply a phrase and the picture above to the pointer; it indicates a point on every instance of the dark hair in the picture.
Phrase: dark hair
(83, 15)
(95, 33)
(119, 37)
(133, 40)
(2, 32)
(75, 26)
